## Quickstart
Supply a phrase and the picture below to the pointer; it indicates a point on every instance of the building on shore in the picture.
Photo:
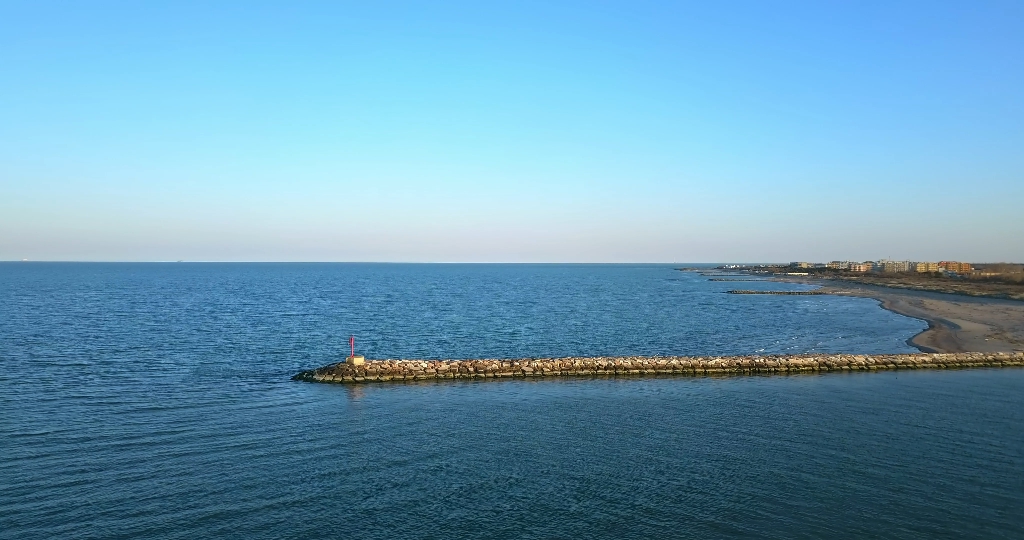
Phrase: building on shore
(889, 266)
(956, 267)
(895, 266)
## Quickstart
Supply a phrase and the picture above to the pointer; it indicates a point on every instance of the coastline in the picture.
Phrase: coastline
(956, 323)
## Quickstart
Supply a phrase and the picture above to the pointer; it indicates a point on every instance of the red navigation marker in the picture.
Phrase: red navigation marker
(353, 359)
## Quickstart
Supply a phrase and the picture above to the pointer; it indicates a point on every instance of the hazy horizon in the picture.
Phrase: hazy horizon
(511, 132)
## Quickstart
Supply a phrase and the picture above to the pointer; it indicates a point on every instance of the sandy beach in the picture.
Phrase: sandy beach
(957, 323)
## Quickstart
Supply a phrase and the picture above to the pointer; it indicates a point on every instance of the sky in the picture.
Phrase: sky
(590, 131)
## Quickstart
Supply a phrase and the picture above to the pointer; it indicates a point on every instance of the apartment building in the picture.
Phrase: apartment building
(956, 267)
(895, 266)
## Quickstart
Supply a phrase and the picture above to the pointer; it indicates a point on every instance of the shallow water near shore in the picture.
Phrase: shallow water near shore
(154, 401)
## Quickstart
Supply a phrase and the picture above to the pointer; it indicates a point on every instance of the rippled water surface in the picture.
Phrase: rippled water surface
(153, 400)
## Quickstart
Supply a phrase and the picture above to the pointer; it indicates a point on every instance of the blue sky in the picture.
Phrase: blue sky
(522, 131)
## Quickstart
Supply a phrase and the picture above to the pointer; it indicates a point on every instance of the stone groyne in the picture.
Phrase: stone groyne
(415, 370)
(785, 293)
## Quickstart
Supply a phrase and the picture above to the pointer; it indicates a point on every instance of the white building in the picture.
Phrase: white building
(895, 266)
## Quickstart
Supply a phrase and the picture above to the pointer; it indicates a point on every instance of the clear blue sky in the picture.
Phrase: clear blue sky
(524, 131)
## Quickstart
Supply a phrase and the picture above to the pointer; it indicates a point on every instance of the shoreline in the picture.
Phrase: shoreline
(939, 337)
(956, 323)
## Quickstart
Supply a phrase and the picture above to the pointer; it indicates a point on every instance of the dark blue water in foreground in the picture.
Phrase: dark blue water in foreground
(153, 400)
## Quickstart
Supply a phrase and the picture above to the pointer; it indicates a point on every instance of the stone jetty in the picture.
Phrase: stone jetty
(631, 366)
(786, 293)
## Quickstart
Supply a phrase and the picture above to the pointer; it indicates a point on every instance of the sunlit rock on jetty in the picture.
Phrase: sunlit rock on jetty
(632, 366)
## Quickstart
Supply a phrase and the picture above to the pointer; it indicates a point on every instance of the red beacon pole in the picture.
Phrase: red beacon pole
(354, 360)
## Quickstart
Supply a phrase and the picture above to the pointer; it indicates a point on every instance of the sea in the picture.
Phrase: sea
(154, 400)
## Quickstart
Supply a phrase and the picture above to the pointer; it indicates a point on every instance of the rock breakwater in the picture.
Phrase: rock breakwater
(415, 370)
(786, 293)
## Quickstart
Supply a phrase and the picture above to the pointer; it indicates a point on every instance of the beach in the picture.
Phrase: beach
(956, 323)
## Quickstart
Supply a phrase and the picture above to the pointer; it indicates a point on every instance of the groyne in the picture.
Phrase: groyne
(632, 366)
(785, 293)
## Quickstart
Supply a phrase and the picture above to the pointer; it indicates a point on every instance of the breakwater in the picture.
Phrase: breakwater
(415, 370)
(786, 293)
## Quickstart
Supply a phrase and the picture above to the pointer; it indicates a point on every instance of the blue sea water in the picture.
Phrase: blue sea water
(154, 401)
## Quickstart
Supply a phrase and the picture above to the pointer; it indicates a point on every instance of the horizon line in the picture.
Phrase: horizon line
(183, 261)
(106, 261)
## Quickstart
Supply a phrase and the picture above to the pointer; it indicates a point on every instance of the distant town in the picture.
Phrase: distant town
(887, 266)
(997, 280)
